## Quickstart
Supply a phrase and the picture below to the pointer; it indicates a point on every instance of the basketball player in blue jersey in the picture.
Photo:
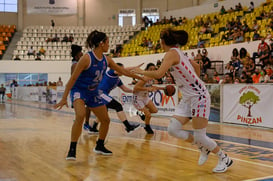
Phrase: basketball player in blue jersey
(83, 85)
(109, 82)
(76, 53)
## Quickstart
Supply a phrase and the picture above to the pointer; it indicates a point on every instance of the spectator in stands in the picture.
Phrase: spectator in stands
(215, 78)
(157, 47)
(31, 51)
(261, 47)
(192, 57)
(230, 10)
(205, 61)
(263, 78)
(65, 38)
(239, 7)
(215, 20)
(264, 56)
(256, 36)
(52, 23)
(71, 38)
(42, 51)
(17, 57)
(245, 27)
(201, 43)
(60, 82)
(150, 44)
(223, 10)
(145, 21)
(227, 79)
(238, 36)
(206, 78)
(235, 59)
(55, 38)
(38, 57)
(198, 57)
(255, 26)
(251, 7)
(244, 56)
(144, 42)
(256, 76)
(184, 21)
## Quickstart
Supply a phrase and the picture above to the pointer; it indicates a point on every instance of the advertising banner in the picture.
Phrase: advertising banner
(52, 7)
(248, 104)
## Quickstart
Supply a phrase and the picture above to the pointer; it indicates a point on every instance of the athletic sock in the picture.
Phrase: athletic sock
(220, 154)
(126, 124)
(100, 142)
(95, 124)
(73, 146)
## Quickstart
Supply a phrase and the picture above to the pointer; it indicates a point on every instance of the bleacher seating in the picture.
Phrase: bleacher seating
(6, 34)
(36, 36)
(211, 39)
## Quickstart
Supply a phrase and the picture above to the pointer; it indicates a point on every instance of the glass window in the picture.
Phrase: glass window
(128, 15)
(8, 6)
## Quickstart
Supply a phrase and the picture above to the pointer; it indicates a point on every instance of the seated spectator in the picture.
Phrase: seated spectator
(215, 20)
(256, 76)
(223, 10)
(17, 57)
(206, 78)
(263, 78)
(227, 79)
(55, 38)
(31, 51)
(42, 51)
(65, 38)
(215, 78)
(184, 20)
(255, 26)
(256, 36)
(237, 80)
(38, 58)
(245, 27)
(157, 46)
(144, 42)
(150, 44)
(264, 56)
(71, 38)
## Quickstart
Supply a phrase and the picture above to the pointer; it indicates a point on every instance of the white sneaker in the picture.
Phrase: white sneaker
(204, 153)
(223, 164)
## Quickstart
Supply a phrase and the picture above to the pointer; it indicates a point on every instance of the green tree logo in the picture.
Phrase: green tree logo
(248, 99)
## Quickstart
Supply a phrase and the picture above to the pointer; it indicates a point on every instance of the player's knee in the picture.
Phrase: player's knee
(200, 137)
(148, 115)
(154, 111)
(175, 130)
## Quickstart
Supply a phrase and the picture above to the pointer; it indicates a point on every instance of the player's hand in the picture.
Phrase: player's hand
(137, 70)
(61, 104)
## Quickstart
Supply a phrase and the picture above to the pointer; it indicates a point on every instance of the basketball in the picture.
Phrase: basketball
(169, 90)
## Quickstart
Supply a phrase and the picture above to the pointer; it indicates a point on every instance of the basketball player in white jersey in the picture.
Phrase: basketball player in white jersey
(195, 103)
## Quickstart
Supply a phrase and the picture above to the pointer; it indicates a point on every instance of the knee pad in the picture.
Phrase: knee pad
(175, 129)
(201, 138)
(115, 105)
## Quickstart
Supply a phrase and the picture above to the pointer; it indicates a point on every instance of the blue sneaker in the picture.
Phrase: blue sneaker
(86, 127)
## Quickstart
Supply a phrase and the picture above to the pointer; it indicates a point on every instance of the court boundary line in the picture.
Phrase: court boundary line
(117, 121)
(190, 149)
(256, 179)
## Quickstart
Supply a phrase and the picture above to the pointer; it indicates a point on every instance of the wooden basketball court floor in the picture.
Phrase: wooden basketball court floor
(34, 140)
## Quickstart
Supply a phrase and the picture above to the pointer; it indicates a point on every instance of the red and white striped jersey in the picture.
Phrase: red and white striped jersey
(186, 79)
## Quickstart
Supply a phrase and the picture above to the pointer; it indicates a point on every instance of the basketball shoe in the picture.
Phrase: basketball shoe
(132, 128)
(71, 155)
(204, 153)
(100, 149)
(223, 164)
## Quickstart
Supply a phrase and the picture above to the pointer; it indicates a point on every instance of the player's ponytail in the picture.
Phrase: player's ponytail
(173, 37)
(95, 38)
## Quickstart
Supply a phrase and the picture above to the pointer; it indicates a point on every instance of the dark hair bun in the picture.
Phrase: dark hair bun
(75, 49)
